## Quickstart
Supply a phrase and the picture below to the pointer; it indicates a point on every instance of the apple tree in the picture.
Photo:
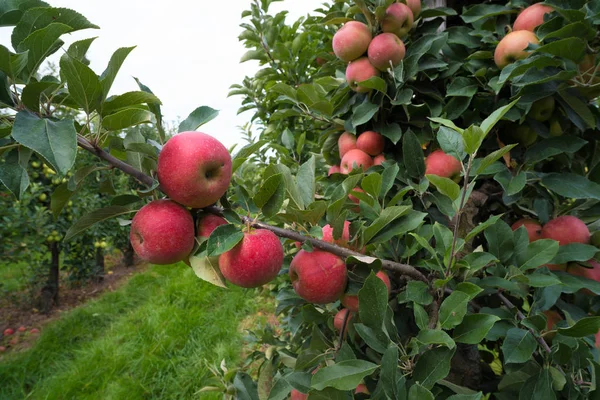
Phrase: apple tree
(419, 190)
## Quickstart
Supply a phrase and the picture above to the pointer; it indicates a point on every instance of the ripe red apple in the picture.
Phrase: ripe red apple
(534, 228)
(398, 19)
(194, 169)
(318, 277)
(378, 159)
(351, 41)
(361, 388)
(341, 241)
(566, 229)
(207, 223)
(346, 142)
(350, 301)
(442, 164)
(162, 232)
(34, 331)
(22, 329)
(8, 332)
(2, 349)
(414, 5)
(360, 70)
(542, 109)
(512, 47)
(531, 17)
(338, 320)
(386, 51)
(256, 260)
(355, 199)
(355, 158)
(371, 143)
(334, 169)
(296, 395)
(590, 273)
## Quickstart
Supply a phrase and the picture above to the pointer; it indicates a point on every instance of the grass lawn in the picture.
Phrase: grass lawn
(147, 340)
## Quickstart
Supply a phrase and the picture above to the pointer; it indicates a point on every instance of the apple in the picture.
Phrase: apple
(34, 331)
(566, 229)
(398, 19)
(531, 17)
(318, 277)
(414, 5)
(2, 349)
(534, 228)
(378, 159)
(14, 341)
(386, 51)
(542, 109)
(590, 273)
(334, 169)
(162, 232)
(8, 332)
(207, 223)
(194, 169)
(346, 142)
(361, 388)
(355, 159)
(341, 241)
(355, 199)
(350, 301)
(296, 395)
(525, 135)
(555, 127)
(442, 164)
(360, 70)
(256, 260)
(338, 320)
(371, 143)
(552, 317)
(512, 47)
(351, 41)
(22, 329)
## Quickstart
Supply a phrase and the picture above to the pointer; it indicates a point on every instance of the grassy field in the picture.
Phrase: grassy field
(147, 340)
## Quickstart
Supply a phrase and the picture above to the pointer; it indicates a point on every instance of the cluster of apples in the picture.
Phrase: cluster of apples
(194, 171)
(513, 46)
(385, 50)
(363, 152)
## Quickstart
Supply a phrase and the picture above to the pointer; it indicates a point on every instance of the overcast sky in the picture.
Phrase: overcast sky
(187, 51)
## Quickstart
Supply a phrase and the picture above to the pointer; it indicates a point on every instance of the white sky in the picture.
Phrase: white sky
(187, 52)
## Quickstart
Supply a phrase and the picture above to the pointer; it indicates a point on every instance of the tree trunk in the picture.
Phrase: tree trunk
(128, 254)
(49, 295)
(99, 272)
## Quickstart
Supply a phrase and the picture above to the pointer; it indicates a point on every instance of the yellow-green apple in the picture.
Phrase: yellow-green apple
(346, 142)
(555, 127)
(414, 5)
(350, 301)
(342, 240)
(386, 51)
(524, 134)
(338, 320)
(566, 229)
(361, 388)
(370, 142)
(534, 228)
(194, 169)
(162, 232)
(355, 159)
(378, 159)
(398, 19)
(531, 17)
(256, 260)
(351, 41)
(442, 164)
(296, 395)
(207, 223)
(334, 169)
(318, 277)
(512, 47)
(358, 71)
(542, 109)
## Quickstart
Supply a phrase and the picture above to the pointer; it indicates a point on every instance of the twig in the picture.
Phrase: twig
(459, 212)
(434, 313)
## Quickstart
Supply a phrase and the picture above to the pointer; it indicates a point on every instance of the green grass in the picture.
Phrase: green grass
(147, 340)
(14, 276)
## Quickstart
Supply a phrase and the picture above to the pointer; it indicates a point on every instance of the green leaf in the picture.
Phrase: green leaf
(413, 156)
(375, 339)
(475, 396)
(197, 118)
(13, 175)
(223, 239)
(580, 107)
(155, 109)
(128, 99)
(421, 317)
(306, 180)
(483, 11)
(371, 184)
(478, 260)
(83, 84)
(11, 11)
(345, 375)
(493, 157)
(126, 118)
(474, 328)
(445, 186)
(387, 216)
(94, 217)
(496, 116)
(447, 123)
(112, 69)
(207, 269)
(390, 372)
(553, 146)
(574, 252)
(364, 113)
(245, 388)
(537, 253)
(271, 195)
(416, 291)
(572, 186)
(40, 44)
(374, 82)
(473, 138)
(12, 64)
(451, 142)
(435, 336)
(453, 309)
(584, 327)
(32, 93)
(56, 141)
(538, 387)
(60, 197)
(570, 48)
(388, 178)
(462, 86)
(501, 242)
(418, 392)
(79, 49)
(518, 346)
(400, 226)
(483, 226)
(372, 302)
(432, 366)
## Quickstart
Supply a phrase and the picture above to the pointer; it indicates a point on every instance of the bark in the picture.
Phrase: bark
(49, 293)
(99, 272)
(128, 255)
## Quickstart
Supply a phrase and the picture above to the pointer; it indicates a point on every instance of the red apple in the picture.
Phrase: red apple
(414, 5)
(386, 51)
(2, 349)
(362, 388)
(14, 341)
(353, 198)
(346, 142)
(350, 301)
(552, 317)
(542, 109)
(566, 229)
(442, 164)
(22, 329)
(296, 395)
(378, 159)
(194, 169)
(341, 241)
(8, 332)
(318, 277)
(338, 320)
(358, 71)
(534, 228)
(334, 169)
(355, 158)
(398, 19)
(208, 223)
(256, 260)
(162, 232)
(34, 331)
(351, 41)
(531, 17)
(512, 47)
(590, 273)
(371, 143)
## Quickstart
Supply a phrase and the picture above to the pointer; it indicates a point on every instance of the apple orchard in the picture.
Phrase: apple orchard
(419, 191)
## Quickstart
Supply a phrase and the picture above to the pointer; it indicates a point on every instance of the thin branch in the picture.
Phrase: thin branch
(459, 212)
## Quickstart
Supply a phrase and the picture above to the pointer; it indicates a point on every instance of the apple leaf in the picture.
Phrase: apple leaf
(207, 269)
(222, 239)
